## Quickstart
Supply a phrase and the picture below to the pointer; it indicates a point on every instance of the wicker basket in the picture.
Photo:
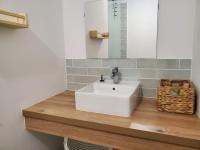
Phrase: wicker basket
(177, 96)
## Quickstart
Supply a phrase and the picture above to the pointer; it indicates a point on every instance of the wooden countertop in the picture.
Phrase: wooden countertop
(146, 122)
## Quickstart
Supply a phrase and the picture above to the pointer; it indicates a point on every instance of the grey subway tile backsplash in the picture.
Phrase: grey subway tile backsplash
(121, 63)
(69, 62)
(86, 63)
(75, 86)
(168, 63)
(146, 63)
(99, 71)
(84, 79)
(70, 78)
(147, 71)
(77, 71)
(174, 74)
(151, 93)
(133, 73)
(185, 64)
(149, 83)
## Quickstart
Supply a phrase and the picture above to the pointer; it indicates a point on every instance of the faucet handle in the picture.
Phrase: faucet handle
(102, 79)
(115, 70)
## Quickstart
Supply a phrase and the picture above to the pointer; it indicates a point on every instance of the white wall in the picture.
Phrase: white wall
(176, 28)
(142, 28)
(96, 18)
(196, 55)
(32, 68)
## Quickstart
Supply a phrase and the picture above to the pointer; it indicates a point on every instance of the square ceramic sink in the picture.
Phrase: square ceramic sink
(108, 98)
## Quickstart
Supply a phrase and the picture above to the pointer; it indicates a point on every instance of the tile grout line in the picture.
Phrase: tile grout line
(137, 63)
(131, 68)
(72, 62)
(179, 64)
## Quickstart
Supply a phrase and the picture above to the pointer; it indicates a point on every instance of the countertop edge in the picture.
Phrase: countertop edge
(149, 135)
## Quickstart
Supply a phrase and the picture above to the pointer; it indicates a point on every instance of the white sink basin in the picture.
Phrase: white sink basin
(108, 98)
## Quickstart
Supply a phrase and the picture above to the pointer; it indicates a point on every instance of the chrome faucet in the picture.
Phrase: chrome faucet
(116, 76)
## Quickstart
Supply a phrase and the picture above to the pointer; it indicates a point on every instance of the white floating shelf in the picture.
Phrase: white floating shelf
(13, 20)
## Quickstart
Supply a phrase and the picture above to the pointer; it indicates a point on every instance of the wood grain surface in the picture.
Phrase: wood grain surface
(146, 123)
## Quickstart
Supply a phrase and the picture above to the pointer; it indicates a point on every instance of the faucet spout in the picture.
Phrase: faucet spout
(115, 75)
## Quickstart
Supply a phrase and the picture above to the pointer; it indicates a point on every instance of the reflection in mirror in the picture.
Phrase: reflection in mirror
(117, 27)
(142, 28)
(121, 28)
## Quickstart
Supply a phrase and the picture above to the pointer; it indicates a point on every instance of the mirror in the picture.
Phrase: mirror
(121, 28)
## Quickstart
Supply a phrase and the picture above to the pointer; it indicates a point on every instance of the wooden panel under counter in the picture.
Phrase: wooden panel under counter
(146, 129)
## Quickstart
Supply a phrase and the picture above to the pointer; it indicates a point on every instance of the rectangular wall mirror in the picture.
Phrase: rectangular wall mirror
(121, 28)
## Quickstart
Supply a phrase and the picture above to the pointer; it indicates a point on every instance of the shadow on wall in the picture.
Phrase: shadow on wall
(29, 71)
(46, 138)
(25, 60)
(32, 68)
